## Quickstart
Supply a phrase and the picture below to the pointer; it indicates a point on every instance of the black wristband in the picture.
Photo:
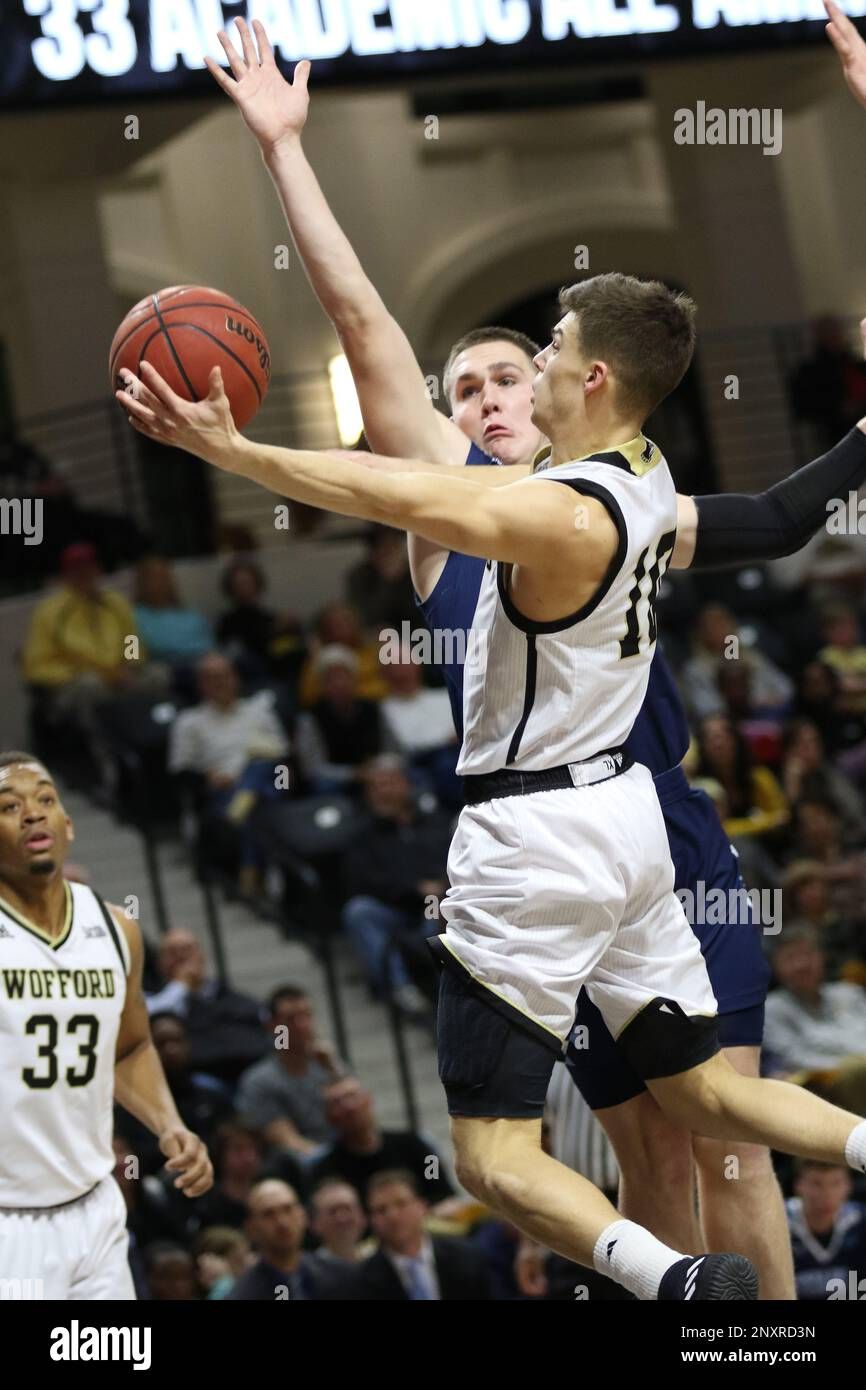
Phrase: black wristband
(739, 529)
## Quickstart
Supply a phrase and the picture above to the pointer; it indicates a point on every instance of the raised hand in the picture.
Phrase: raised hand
(274, 110)
(204, 428)
(851, 47)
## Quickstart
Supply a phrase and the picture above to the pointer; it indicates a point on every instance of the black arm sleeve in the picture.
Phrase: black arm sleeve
(736, 528)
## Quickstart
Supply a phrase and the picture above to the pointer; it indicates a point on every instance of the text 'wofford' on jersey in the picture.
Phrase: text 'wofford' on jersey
(538, 695)
(60, 1007)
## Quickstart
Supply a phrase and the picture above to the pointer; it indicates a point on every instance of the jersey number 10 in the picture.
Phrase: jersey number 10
(638, 635)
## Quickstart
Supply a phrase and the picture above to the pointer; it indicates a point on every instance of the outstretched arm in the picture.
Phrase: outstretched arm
(399, 416)
(452, 511)
(487, 477)
(730, 528)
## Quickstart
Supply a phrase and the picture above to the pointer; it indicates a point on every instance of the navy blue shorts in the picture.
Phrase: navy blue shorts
(730, 940)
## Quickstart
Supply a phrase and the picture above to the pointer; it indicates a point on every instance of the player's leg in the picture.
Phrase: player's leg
(742, 1207)
(718, 1102)
(501, 1162)
(741, 1204)
(657, 1178)
(537, 894)
(496, 1074)
(102, 1272)
(657, 1171)
(652, 988)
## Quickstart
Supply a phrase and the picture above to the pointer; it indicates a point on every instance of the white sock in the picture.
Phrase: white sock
(855, 1149)
(628, 1253)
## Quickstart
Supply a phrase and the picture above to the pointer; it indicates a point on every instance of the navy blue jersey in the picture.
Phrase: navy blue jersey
(660, 735)
(832, 1266)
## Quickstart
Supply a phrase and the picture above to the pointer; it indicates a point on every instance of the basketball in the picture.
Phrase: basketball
(186, 330)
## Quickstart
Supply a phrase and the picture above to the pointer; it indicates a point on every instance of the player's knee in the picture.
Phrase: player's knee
(490, 1166)
(469, 1170)
(660, 1148)
(508, 1188)
(722, 1164)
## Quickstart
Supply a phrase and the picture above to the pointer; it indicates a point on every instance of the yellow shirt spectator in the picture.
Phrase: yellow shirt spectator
(72, 632)
(769, 807)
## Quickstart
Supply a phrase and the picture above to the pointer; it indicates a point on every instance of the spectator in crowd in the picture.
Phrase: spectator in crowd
(394, 873)
(341, 730)
(339, 626)
(380, 586)
(261, 644)
(232, 745)
(362, 1148)
(845, 653)
(819, 697)
(806, 770)
(282, 1095)
(818, 835)
(170, 1273)
(276, 1224)
(828, 389)
(224, 1027)
(417, 722)
(222, 1255)
(828, 1233)
(410, 1263)
(172, 634)
(498, 1243)
(78, 654)
(755, 802)
(202, 1101)
(811, 1025)
(338, 1222)
(717, 639)
(807, 899)
(225, 731)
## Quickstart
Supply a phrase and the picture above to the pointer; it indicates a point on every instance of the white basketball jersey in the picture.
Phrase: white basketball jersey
(60, 1008)
(539, 695)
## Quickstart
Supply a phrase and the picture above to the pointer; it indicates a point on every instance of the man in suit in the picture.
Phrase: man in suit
(410, 1263)
(276, 1224)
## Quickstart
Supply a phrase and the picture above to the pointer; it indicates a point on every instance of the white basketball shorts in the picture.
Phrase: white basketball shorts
(555, 890)
(74, 1252)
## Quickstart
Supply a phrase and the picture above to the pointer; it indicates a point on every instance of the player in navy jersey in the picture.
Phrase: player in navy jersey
(489, 383)
(828, 1234)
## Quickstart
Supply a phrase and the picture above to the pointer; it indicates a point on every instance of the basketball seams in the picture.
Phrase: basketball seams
(227, 303)
(173, 350)
(198, 329)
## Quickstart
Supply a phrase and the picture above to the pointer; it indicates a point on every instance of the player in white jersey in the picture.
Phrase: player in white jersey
(560, 871)
(487, 380)
(74, 1036)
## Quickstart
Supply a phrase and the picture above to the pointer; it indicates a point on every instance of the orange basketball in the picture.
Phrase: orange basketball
(186, 330)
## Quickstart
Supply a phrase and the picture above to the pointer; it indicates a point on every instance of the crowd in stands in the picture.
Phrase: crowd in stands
(270, 718)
